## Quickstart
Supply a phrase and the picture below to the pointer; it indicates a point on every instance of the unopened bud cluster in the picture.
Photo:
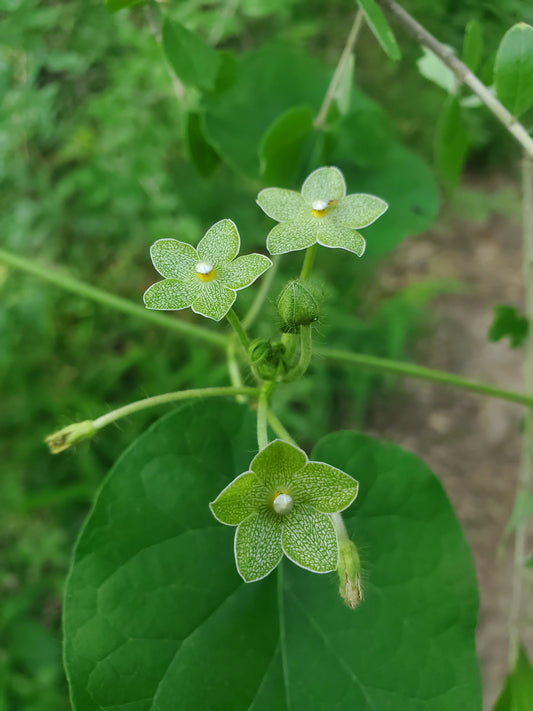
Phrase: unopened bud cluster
(268, 358)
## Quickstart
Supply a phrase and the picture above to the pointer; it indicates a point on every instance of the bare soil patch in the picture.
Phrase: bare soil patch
(471, 442)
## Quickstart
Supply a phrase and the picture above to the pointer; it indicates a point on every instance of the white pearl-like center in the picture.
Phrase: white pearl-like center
(204, 268)
(319, 205)
(282, 504)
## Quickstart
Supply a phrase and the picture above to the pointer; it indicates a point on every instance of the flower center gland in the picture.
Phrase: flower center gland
(205, 271)
(282, 503)
(319, 208)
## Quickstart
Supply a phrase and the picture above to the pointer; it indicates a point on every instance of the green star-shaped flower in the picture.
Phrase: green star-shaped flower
(206, 278)
(321, 213)
(283, 505)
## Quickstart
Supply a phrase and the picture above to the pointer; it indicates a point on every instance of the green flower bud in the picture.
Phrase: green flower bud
(297, 306)
(65, 438)
(259, 350)
(349, 573)
(268, 359)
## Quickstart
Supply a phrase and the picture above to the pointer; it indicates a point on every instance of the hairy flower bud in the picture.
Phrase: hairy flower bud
(259, 350)
(65, 438)
(268, 358)
(349, 573)
(297, 306)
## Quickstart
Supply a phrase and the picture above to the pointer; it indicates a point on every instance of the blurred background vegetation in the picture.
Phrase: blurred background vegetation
(99, 157)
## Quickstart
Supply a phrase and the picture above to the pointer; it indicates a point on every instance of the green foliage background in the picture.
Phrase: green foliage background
(97, 159)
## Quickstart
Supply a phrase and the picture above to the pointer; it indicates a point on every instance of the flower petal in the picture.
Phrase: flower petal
(309, 539)
(220, 244)
(258, 546)
(324, 487)
(174, 259)
(324, 184)
(282, 205)
(242, 497)
(170, 295)
(336, 235)
(291, 236)
(276, 464)
(214, 300)
(243, 271)
(358, 210)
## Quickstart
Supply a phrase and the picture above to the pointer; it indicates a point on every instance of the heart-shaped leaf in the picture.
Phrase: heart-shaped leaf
(157, 618)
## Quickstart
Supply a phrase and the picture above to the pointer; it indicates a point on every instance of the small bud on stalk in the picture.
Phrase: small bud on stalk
(297, 306)
(65, 438)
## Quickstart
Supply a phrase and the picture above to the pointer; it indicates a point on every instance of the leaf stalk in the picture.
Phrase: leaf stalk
(331, 92)
(308, 262)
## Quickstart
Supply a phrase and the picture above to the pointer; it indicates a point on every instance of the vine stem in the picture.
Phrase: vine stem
(421, 373)
(165, 398)
(410, 370)
(463, 73)
(339, 69)
(525, 483)
(236, 324)
(81, 288)
(262, 415)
